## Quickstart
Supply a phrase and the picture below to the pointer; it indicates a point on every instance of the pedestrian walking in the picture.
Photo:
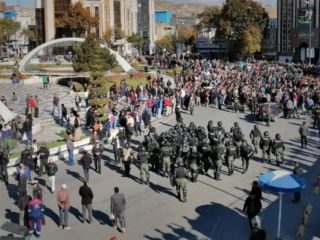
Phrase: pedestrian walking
(252, 208)
(304, 132)
(64, 113)
(70, 146)
(63, 200)
(97, 151)
(23, 202)
(4, 160)
(27, 131)
(117, 207)
(86, 161)
(298, 171)
(35, 211)
(181, 180)
(55, 103)
(52, 169)
(86, 195)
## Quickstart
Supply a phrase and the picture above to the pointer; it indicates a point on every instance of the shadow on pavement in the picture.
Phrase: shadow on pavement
(12, 216)
(214, 221)
(75, 212)
(51, 214)
(101, 217)
(75, 175)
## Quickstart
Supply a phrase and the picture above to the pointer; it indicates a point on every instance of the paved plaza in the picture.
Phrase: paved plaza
(213, 210)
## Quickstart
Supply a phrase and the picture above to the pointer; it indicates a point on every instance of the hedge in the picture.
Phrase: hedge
(98, 101)
(78, 87)
(99, 91)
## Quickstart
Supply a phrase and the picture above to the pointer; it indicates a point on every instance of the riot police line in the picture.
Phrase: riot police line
(183, 152)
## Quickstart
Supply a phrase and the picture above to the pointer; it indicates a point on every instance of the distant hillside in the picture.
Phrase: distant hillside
(185, 8)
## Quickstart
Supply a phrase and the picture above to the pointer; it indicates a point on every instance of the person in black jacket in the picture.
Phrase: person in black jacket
(52, 169)
(86, 200)
(4, 160)
(86, 161)
(27, 129)
(252, 207)
(23, 201)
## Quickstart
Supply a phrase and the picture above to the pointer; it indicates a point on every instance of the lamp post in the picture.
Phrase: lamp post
(310, 28)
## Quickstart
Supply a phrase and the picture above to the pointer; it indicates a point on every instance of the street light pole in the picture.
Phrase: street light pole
(310, 28)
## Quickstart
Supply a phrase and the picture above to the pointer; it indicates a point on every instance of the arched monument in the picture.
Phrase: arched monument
(122, 62)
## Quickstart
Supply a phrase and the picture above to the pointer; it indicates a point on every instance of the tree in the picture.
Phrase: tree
(8, 27)
(208, 18)
(92, 58)
(187, 36)
(167, 43)
(251, 40)
(31, 35)
(238, 20)
(76, 19)
(136, 40)
(107, 36)
(118, 33)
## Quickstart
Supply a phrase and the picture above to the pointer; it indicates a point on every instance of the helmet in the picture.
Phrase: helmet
(278, 136)
(191, 124)
(219, 123)
(179, 161)
(143, 149)
(227, 135)
(210, 122)
(266, 134)
(236, 124)
(127, 145)
(255, 126)
(153, 129)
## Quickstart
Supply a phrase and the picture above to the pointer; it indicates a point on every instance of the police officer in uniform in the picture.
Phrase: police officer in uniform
(246, 153)
(220, 130)
(265, 144)
(218, 155)
(153, 148)
(4, 160)
(43, 155)
(166, 153)
(97, 151)
(255, 136)
(238, 138)
(181, 180)
(193, 165)
(194, 142)
(278, 149)
(127, 156)
(231, 152)
(143, 158)
(205, 156)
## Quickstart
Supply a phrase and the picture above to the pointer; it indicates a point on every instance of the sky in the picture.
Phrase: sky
(211, 2)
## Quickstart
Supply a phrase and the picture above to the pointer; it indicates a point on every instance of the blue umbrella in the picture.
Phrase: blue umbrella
(281, 182)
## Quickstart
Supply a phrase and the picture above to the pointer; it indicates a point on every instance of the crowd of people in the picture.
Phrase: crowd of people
(181, 153)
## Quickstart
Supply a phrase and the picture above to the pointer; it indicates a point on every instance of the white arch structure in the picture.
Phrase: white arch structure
(122, 62)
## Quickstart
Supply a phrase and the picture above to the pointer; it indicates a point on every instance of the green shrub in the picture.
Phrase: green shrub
(99, 91)
(78, 87)
(98, 101)
(100, 112)
(8, 144)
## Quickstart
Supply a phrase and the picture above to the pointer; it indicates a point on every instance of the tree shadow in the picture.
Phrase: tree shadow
(75, 175)
(52, 215)
(12, 216)
(215, 219)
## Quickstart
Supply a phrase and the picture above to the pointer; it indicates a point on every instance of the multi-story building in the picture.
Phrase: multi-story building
(146, 24)
(298, 29)
(52, 9)
(269, 42)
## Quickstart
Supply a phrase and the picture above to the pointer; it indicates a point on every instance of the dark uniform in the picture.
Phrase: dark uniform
(246, 152)
(166, 152)
(193, 165)
(255, 136)
(4, 160)
(218, 155)
(206, 162)
(43, 155)
(231, 152)
(143, 158)
(238, 138)
(181, 182)
(117, 148)
(304, 131)
(97, 151)
(265, 144)
(278, 149)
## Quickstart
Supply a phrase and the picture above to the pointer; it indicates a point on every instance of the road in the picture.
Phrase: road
(213, 210)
